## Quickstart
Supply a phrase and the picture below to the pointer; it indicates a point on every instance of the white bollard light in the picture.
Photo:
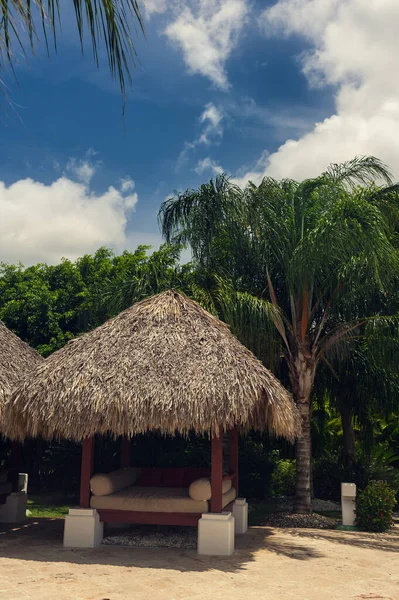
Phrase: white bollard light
(348, 503)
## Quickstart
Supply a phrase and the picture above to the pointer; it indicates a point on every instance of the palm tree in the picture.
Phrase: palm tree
(297, 255)
(106, 21)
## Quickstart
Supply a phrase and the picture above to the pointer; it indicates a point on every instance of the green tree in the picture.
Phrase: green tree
(49, 305)
(297, 254)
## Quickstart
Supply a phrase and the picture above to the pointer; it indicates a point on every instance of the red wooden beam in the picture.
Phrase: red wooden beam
(148, 518)
(216, 474)
(233, 457)
(86, 471)
(125, 452)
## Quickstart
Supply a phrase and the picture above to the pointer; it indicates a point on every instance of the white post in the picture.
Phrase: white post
(23, 482)
(348, 503)
(240, 514)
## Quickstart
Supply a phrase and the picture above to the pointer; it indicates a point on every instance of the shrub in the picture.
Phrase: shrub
(374, 507)
(283, 478)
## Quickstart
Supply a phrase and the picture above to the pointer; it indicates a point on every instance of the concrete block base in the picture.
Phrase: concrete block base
(83, 528)
(14, 510)
(240, 514)
(216, 534)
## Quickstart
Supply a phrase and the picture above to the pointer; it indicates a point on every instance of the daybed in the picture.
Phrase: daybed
(161, 496)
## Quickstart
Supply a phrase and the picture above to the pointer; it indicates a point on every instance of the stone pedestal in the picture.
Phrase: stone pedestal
(216, 534)
(348, 503)
(14, 510)
(240, 514)
(83, 528)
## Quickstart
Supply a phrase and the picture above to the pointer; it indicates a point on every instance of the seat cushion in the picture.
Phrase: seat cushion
(150, 499)
(156, 499)
(200, 489)
(104, 484)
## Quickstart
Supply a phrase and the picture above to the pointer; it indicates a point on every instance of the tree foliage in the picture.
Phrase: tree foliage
(49, 305)
(314, 259)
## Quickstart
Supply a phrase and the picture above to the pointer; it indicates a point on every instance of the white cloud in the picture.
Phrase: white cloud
(46, 222)
(207, 34)
(84, 171)
(212, 131)
(354, 47)
(127, 184)
(211, 118)
(154, 7)
(207, 164)
(81, 169)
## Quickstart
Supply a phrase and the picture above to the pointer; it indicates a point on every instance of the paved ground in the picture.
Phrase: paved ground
(268, 564)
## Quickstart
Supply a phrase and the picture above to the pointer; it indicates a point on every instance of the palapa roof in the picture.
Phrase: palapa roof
(164, 364)
(16, 360)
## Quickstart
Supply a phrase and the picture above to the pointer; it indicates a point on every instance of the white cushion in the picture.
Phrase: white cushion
(104, 484)
(200, 489)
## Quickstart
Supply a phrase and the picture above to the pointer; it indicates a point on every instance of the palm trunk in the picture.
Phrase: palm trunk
(348, 435)
(302, 378)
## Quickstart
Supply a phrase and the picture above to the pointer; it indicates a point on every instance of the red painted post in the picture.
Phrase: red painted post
(216, 474)
(86, 471)
(125, 452)
(233, 457)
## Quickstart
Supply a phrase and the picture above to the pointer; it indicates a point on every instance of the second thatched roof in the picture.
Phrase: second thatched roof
(16, 360)
(164, 364)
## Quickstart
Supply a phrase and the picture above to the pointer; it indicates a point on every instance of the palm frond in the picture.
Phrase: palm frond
(110, 22)
(360, 170)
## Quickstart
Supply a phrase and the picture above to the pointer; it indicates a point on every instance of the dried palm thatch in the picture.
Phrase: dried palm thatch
(164, 364)
(16, 360)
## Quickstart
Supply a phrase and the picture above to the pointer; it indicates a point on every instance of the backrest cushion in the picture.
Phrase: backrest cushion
(200, 489)
(103, 484)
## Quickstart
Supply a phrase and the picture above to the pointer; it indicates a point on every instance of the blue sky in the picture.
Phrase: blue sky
(222, 85)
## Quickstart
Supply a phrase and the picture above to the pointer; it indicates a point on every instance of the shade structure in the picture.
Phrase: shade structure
(164, 364)
(16, 360)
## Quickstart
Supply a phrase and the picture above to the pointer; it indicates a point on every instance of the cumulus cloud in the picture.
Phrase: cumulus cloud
(207, 164)
(63, 219)
(211, 132)
(207, 33)
(354, 47)
(154, 7)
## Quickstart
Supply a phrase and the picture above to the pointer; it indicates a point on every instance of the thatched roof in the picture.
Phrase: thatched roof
(16, 360)
(164, 364)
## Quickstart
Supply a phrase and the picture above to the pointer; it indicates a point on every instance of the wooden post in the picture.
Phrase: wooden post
(217, 474)
(86, 471)
(233, 457)
(125, 452)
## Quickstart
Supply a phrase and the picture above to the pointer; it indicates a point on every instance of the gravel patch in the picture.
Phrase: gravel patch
(292, 520)
(183, 537)
(287, 504)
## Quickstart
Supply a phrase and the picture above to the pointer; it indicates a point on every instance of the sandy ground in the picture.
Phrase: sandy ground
(268, 564)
